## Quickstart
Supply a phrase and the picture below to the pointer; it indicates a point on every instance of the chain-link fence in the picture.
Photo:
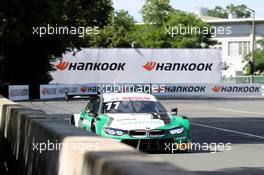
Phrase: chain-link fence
(243, 79)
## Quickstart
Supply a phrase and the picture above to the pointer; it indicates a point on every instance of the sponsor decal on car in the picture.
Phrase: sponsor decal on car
(155, 121)
(136, 98)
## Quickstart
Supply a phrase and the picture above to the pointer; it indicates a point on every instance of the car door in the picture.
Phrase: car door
(90, 112)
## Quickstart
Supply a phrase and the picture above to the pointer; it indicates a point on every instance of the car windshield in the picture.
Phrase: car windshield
(133, 107)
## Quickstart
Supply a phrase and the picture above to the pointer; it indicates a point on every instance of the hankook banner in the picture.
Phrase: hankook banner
(210, 90)
(199, 90)
(139, 66)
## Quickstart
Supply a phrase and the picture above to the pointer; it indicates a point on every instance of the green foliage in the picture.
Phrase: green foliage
(150, 36)
(123, 32)
(240, 11)
(156, 11)
(192, 39)
(115, 35)
(218, 11)
(28, 55)
(123, 19)
(258, 59)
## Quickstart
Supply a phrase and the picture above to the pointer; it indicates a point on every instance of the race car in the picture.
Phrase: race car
(137, 119)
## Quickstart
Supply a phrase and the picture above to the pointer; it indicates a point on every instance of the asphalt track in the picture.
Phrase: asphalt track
(238, 123)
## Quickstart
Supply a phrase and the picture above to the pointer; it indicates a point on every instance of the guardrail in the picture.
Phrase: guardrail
(47, 144)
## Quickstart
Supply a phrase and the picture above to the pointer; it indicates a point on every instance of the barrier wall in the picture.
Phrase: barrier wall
(43, 144)
(219, 90)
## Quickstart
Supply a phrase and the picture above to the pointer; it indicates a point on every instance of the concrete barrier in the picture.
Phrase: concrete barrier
(4, 149)
(45, 144)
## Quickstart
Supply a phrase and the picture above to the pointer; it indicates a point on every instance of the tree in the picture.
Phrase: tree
(150, 36)
(258, 63)
(218, 11)
(122, 18)
(156, 11)
(28, 56)
(240, 10)
(115, 34)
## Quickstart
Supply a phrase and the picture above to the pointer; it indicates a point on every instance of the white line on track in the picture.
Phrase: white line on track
(239, 111)
(228, 130)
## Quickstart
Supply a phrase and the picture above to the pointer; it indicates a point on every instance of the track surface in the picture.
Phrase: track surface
(239, 122)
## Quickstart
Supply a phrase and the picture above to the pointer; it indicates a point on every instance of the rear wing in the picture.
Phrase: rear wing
(69, 97)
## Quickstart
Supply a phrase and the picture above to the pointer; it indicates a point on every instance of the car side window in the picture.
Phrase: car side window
(88, 106)
(94, 106)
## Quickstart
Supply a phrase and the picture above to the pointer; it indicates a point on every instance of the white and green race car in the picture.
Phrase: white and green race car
(137, 119)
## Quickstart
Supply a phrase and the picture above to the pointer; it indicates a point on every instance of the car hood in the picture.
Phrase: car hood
(134, 121)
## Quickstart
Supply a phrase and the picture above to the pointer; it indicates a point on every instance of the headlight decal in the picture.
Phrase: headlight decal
(177, 130)
(113, 131)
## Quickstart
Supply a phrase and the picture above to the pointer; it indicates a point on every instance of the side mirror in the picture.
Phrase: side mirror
(66, 96)
(97, 118)
(174, 111)
(91, 114)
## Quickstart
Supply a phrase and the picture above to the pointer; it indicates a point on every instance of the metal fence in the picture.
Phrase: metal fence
(243, 79)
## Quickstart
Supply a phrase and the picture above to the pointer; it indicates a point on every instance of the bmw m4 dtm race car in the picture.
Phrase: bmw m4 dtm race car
(137, 119)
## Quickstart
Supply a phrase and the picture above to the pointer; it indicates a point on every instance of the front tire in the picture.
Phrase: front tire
(93, 127)
(72, 121)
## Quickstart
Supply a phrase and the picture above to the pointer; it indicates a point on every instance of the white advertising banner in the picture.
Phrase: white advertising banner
(76, 89)
(209, 90)
(138, 66)
(220, 90)
(18, 92)
(59, 90)
(48, 91)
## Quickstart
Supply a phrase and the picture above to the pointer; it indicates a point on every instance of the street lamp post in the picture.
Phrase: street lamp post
(253, 42)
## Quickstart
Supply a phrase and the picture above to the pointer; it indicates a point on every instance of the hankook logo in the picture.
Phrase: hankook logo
(149, 66)
(152, 65)
(236, 89)
(217, 89)
(83, 89)
(62, 65)
(49, 91)
(82, 66)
